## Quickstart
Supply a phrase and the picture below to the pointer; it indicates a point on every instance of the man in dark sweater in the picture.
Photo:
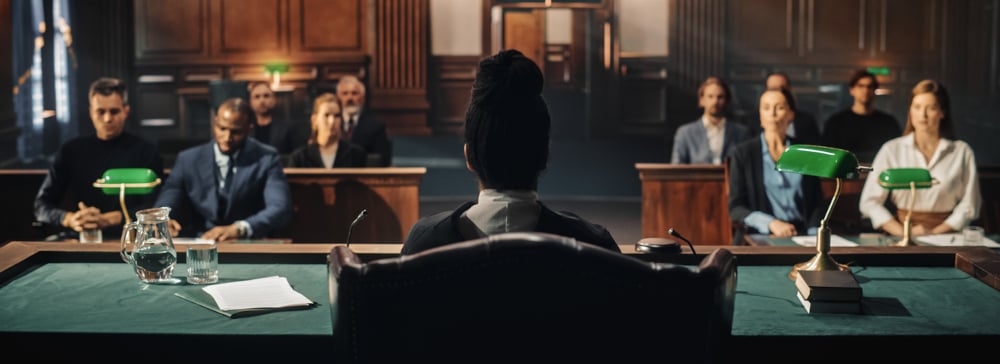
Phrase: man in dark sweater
(861, 129)
(283, 135)
(82, 160)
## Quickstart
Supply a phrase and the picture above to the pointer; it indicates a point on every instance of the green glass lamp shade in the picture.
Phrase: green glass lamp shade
(819, 161)
(138, 181)
(900, 178)
(276, 67)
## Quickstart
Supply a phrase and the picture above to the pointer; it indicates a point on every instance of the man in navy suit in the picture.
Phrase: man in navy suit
(359, 125)
(234, 184)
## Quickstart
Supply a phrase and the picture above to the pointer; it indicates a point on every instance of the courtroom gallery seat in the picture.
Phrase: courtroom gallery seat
(528, 297)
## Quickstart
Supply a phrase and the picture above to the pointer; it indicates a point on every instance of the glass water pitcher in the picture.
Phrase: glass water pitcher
(152, 255)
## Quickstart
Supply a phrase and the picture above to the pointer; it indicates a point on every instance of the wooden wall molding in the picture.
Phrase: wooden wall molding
(697, 51)
(450, 86)
(398, 87)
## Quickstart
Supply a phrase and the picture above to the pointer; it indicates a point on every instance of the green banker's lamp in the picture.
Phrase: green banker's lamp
(127, 181)
(906, 178)
(823, 162)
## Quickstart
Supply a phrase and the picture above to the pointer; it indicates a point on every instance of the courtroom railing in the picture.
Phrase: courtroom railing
(693, 199)
(325, 201)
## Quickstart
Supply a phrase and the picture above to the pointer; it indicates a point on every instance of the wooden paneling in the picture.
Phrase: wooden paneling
(398, 91)
(912, 33)
(327, 26)
(763, 27)
(697, 50)
(171, 28)
(326, 201)
(451, 85)
(836, 29)
(644, 95)
(688, 198)
(251, 27)
(694, 200)
(227, 32)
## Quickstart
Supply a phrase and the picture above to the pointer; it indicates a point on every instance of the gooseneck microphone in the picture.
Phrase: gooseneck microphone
(361, 216)
(675, 233)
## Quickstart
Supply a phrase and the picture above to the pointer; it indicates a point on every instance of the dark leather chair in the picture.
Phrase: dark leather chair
(528, 297)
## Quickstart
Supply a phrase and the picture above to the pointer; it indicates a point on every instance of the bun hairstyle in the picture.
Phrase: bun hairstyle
(507, 123)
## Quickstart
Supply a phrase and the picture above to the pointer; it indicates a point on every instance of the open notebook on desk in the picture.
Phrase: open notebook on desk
(245, 298)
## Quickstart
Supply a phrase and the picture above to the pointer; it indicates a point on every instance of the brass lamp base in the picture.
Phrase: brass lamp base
(820, 261)
(906, 241)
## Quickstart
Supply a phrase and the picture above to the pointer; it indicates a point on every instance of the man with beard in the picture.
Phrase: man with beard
(234, 184)
(708, 139)
(283, 135)
(360, 127)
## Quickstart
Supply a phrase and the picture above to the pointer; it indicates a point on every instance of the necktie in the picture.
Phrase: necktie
(350, 125)
(223, 195)
(229, 174)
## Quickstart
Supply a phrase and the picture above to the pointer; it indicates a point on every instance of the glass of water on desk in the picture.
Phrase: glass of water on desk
(202, 262)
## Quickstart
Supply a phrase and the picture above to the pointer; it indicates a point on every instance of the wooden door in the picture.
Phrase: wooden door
(524, 30)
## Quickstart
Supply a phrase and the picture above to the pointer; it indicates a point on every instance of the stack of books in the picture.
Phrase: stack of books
(829, 291)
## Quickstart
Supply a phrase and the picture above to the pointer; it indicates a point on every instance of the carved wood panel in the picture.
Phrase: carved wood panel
(171, 29)
(902, 37)
(251, 27)
(451, 82)
(762, 30)
(324, 27)
(836, 29)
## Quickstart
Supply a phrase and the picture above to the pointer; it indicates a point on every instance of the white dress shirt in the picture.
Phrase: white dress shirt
(716, 138)
(222, 163)
(500, 212)
(953, 165)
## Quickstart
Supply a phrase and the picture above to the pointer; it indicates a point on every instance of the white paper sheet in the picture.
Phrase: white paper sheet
(835, 241)
(269, 292)
(956, 239)
(192, 241)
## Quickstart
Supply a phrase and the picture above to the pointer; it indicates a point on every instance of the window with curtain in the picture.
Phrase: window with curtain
(44, 72)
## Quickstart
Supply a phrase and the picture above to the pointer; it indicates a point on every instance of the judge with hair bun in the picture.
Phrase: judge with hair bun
(507, 128)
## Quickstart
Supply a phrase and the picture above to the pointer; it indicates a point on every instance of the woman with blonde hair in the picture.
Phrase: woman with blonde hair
(326, 148)
(927, 142)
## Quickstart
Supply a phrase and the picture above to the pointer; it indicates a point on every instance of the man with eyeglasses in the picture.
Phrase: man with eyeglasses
(861, 128)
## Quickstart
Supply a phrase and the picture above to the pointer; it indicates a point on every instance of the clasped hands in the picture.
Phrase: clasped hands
(89, 217)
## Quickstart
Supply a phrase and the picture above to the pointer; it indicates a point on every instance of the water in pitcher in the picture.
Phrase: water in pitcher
(154, 262)
(153, 254)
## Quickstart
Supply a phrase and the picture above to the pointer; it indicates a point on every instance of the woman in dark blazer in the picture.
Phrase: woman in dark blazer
(326, 148)
(761, 198)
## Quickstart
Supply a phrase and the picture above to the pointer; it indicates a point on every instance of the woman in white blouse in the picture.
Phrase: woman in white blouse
(928, 142)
